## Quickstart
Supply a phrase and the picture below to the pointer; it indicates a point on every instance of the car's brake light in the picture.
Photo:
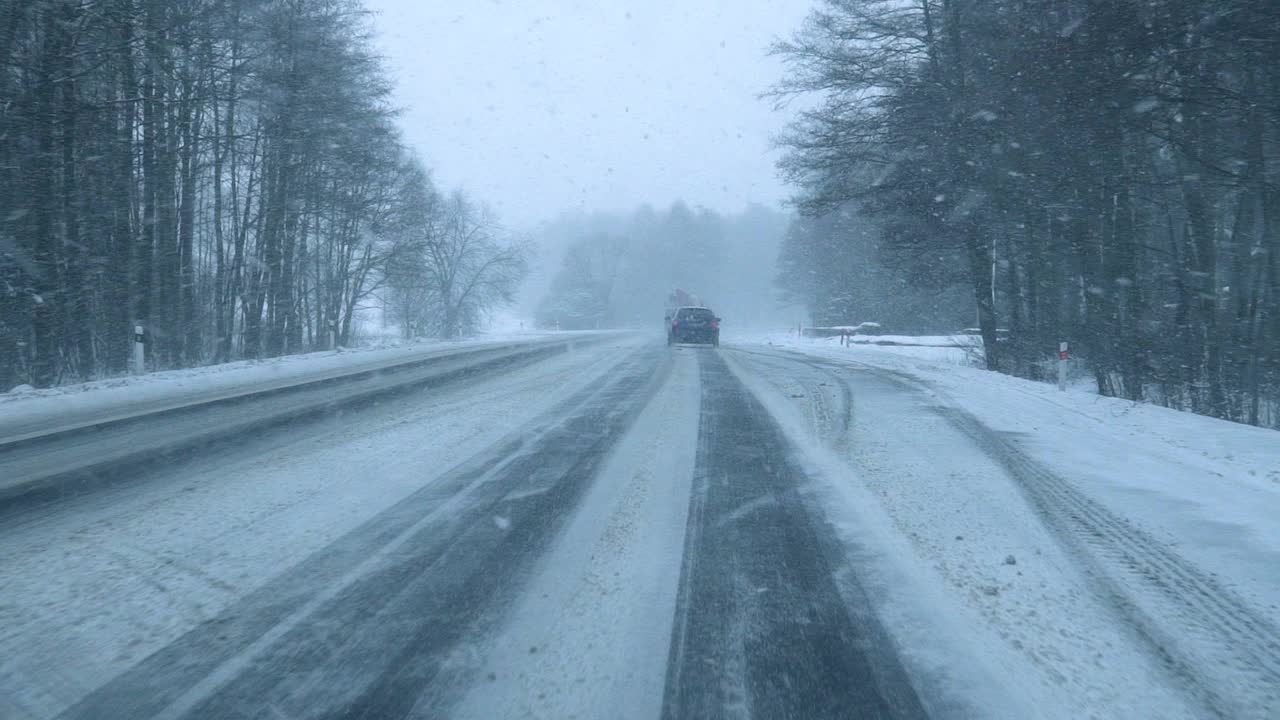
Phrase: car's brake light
(675, 323)
(715, 324)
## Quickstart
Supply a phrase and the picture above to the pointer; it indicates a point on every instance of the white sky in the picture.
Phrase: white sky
(543, 106)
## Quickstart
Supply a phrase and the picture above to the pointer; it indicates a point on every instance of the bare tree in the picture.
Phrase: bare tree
(458, 268)
(225, 172)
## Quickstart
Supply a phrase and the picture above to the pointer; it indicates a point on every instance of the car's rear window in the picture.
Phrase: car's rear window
(695, 314)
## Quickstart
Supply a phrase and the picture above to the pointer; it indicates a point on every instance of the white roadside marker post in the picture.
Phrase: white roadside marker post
(1062, 366)
(139, 350)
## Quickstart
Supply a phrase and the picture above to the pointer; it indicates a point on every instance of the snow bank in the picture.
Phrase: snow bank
(25, 410)
(1118, 559)
(1210, 488)
(945, 349)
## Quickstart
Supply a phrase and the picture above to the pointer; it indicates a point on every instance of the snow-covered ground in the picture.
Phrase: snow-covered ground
(1212, 486)
(948, 349)
(1028, 553)
(590, 637)
(87, 592)
(1116, 516)
(25, 410)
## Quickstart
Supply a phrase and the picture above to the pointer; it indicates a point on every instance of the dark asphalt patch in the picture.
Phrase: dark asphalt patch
(373, 650)
(761, 628)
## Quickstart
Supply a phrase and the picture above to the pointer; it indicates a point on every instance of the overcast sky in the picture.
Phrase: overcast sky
(543, 106)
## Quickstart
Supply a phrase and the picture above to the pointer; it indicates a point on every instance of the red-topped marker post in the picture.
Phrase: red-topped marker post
(1063, 357)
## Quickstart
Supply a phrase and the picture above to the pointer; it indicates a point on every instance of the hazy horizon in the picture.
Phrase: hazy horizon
(543, 108)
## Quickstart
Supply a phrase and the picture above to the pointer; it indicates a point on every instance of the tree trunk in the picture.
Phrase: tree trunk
(76, 304)
(978, 249)
(121, 279)
(44, 283)
(188, 330)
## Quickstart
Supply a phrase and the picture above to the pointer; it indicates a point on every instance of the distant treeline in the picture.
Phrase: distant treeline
(1100, 172)
(618, 269)
(837, 266)
(225, 173)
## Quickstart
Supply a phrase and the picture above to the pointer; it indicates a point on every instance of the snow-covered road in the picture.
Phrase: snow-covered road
(624, 530)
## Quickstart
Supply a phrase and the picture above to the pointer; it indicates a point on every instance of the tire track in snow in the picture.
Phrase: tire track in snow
(1148, 583)
(600, 609)
(831, 423)
(761, 629)
(363, 627)
(1167, 587)
(151, 453)
(44, 472)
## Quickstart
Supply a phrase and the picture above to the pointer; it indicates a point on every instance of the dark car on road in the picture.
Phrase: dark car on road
(694, 325)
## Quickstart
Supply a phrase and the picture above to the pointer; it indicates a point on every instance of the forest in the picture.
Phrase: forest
(225, 173)
(1099, 172)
